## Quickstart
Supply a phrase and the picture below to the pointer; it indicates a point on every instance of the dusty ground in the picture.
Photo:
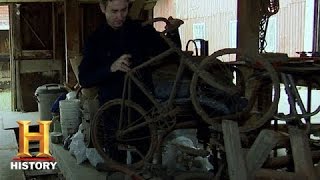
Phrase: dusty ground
(5, 100)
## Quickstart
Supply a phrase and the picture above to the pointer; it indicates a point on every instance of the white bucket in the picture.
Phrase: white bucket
(69, 116)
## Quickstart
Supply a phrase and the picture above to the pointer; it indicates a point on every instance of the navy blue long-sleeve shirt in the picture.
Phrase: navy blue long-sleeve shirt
(106, 45)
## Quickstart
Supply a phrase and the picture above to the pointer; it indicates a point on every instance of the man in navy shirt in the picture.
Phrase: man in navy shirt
(114, 48)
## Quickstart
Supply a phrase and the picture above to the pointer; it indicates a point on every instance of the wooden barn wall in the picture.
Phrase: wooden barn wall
(290, 22)
(217, 16)
(92, 18)
(36, 34)
(36, 26)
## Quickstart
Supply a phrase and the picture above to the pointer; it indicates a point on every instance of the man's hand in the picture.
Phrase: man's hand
(121, 64)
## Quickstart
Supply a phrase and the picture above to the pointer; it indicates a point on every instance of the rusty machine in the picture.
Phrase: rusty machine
(219, 95)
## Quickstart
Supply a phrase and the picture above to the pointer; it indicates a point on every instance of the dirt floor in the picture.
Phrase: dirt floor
(5, 100)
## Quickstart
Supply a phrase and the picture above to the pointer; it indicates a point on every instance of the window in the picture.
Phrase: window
(199, 32)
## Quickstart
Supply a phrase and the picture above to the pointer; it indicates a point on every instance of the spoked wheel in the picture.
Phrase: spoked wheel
(120, 127)
(229, 85)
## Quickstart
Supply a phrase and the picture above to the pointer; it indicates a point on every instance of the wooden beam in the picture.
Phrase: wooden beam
(248, 26)
(58, 40)
(27, 1)
(36, 54)
(147, 5)
(316, 24)
(236, 163)
(72, 32)
(15, 54)
(283, 161)
(266, 174)
(260, 150)
(41, 1)
(54, 30)
(301, 153)
(39, 65)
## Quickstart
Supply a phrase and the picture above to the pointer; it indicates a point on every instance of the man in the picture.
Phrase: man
(115, 48)
(112, 50)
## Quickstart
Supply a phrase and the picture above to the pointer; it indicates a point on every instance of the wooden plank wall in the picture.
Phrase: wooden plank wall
(33, 51)
(39, 46)
(290, 24)
(36, 26)
(92, 18)
(217, 14)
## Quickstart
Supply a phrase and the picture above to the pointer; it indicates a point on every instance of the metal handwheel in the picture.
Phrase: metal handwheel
(238, 79)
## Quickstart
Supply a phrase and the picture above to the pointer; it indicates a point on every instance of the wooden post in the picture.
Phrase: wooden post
(316, 24)
(15, 55)
(59, 40)
(301, 153)
(249, 16)
(248, 26)
(53, 17)
(72, 31)
(236, 163)
(266, 174)
(260, 150)
(282, 161)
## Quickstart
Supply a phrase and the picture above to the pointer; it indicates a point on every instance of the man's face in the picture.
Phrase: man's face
(116, 12)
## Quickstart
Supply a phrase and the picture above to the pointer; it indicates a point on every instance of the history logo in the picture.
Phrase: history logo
(24, 160)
